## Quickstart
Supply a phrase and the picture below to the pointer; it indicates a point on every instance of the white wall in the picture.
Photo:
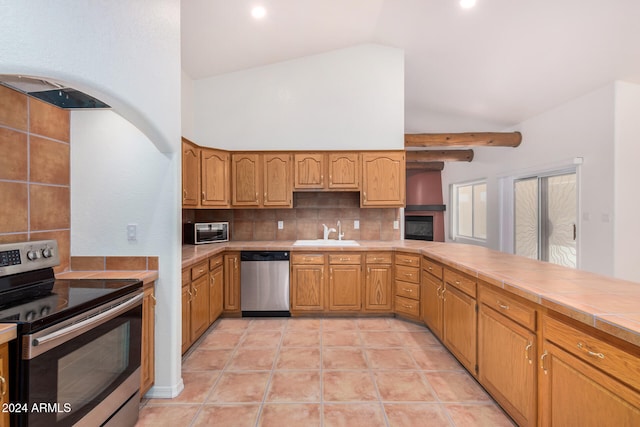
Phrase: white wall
(188, 128)
(345, 99)
(128, 55)
(627, 177)
(583, 128)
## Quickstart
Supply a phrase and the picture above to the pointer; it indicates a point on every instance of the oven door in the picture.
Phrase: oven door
(82, 371)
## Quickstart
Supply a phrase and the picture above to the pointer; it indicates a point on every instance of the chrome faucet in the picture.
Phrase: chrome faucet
(327, 231)
(340, 233)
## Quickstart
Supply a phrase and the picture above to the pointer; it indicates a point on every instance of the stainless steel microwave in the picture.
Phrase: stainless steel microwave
(200, 233)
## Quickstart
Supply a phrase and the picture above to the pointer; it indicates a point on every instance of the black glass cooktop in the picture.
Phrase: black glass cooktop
(52, 301)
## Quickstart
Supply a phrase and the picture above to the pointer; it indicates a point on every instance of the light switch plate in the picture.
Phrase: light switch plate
(356, 224)
(132, 232)
(396, 225)
(280, 225)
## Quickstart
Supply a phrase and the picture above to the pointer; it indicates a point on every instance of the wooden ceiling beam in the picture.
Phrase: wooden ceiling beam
(425, 166)
(476, 139)
(440, 156)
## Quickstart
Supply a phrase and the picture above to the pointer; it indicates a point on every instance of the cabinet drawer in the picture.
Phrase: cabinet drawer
(508, 306)
(408, 290)
(431, 267)
(186, 276)
(607, 357)
(464, 283)
(345, 259)
(408, 274)
(199, 269)
(381, 258)
(215, 262)
(407, 306)
(307, 259)
(408, 260)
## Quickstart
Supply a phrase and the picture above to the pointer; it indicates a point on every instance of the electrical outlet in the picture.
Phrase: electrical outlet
(356, 224)
(280, 225)
(396, 225)
(132, 232)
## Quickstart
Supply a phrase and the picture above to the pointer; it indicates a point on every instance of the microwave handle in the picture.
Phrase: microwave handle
(40, 345)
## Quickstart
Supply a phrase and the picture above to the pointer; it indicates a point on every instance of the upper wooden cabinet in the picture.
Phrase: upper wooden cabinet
(190, 174)
(344, 171)
(309, 171)
(245, 179)
(261, 180)
(321, 171)
(214, 178)
(383, 179)
(277, 180)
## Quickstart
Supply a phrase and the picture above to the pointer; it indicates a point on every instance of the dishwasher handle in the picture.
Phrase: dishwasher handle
(264, 256)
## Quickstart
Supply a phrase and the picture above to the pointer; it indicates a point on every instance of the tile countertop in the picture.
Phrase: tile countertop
(147, 276)
(609, 304)
(7, 332)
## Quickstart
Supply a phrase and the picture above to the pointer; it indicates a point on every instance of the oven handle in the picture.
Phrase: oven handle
(42, 344)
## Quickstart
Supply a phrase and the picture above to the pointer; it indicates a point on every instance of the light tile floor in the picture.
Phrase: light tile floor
(322, 372)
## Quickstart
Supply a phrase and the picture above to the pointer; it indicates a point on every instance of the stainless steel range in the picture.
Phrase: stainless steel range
(76, 360)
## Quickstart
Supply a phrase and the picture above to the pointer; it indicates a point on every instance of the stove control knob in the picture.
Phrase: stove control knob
(31, 315)
(45, 310)
(47, 252)
(33, 255)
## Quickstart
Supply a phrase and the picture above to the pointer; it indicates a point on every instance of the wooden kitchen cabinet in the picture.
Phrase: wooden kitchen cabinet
(199, 306)
(190, 174)
(278, 191)
(147, 360)
(344, 171)
(378, 295)
(383, 179)
(407, 285)
(186, 309)
(307, 282)
(309, 171)
(585, 380)
(507, 353)
(245, 180)
(214, 178)
(232, 283)
(216, 287)
(345, 282)
(431, 301)
(4, 383)
(460, 318)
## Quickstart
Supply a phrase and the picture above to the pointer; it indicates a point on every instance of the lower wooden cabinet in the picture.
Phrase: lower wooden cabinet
(307, 282)
(4, 383)
(407, 285)
(216, 292)
(460, 326)
(147, 360)
(345, 282)
(232, 283)
(378, 294)
(186, 310)
(431, 303)
(199, 306)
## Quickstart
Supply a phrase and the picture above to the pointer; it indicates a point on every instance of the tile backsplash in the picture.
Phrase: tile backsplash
(34, 172)
(304, 221)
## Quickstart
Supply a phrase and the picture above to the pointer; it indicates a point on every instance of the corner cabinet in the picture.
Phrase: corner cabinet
(190, 174)
(460, 318)
(383, 179)
(147, 371)
(431, 300)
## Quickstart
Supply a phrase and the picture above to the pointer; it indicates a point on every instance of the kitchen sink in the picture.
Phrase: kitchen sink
(328, 242)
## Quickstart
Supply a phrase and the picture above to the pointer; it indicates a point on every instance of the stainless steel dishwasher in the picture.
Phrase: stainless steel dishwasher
(264, 283)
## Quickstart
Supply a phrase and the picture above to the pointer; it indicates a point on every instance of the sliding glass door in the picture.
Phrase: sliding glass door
(545, 218)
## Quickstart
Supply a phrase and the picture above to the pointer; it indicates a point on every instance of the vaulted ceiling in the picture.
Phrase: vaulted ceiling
(482, 69)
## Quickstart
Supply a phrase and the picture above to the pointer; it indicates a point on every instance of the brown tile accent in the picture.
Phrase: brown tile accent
(289, 232)
(152, 263)
(236, 387)
(49, 207)
(242, 230)
(245, 214)
(308, 229)
(369, 214)
(228, 415)
(369, 230)
(387, 232)
(126, 263)
(277, 415)
(296, 386)
(307, 214)
(348, 386)
(405, 415)
(264, 230)
(12, 238)
(49, 161)
(48, 120)
(13, 207)
(63, 237)
(87, 263)
(13, 108)
(13, 161)
(285, 214)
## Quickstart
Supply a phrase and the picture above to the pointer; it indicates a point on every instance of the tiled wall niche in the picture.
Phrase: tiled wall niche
(305, 220)
(34, 172)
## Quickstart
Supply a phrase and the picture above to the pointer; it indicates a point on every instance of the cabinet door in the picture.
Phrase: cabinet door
(573, 393)
(377, 289)
(199, 306)
(190, 175)
(186, 317)
(147, 360)
(460, 323)
(506, 364)
(345, 287)
(344, 171)
(232, 283)
(4, 383)
(277, 180)
(383, 179)
(245, 175)
(307, 288)
(309, 170)
(431, 303)
(214, 174)
(216, 293)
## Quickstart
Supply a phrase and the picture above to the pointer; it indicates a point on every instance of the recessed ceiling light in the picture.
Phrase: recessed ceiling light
(258, 12)
(467, 4)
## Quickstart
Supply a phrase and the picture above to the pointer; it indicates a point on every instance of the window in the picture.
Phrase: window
(470, 210)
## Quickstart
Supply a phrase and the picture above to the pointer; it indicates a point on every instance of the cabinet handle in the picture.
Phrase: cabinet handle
(3, 386)
(526, 352)
(344, 259)
(408, 275)
(155, 301)
(438, 292)
(256, 197)
(365, 196)
(584, 347)
(407, 306)
(544, 355)
(502, 306)
(265, 195)
(443, 297)
(203, 196)
(407, 290)
(369, 270)
(430, 268)
(184, 194)
(195, 293)
(458, 282)
(235, 263)
(190, 296)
